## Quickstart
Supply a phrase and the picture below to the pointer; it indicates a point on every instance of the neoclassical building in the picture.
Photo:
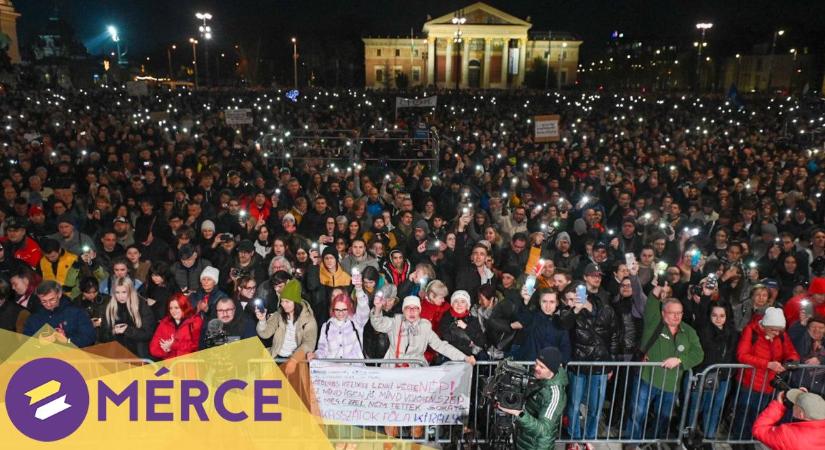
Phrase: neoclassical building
(495, 51)
(8, 30)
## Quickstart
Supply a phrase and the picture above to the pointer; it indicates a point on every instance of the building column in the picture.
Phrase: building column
(431, 61)
(448, 66)
(8, 25)
(522, 56)
(485, 80)
(505, 61)
(465, 61)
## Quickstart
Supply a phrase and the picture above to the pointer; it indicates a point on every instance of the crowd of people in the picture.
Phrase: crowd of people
(665, 228)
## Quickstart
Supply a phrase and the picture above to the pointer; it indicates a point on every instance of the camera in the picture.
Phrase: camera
(781, 382)
(510, 385)
(226, 237)
(712, 281)
(238, 273)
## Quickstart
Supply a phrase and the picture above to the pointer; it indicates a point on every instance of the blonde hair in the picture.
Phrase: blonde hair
(132, 302)
(438, 288)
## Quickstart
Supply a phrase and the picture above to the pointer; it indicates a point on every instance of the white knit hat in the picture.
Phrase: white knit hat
(411, 300)
(208, 225)
(774, 318)
(210, 272)
(289, 217)
(460, 295)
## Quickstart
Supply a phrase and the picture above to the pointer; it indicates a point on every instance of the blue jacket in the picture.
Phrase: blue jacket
(75, 322)
(544, 331)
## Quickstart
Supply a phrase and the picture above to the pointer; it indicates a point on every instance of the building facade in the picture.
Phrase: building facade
(789, 72)
(490, 49)
(8, 30)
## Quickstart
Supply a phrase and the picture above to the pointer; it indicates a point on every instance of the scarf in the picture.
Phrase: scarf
(398, 277)
(457, 315)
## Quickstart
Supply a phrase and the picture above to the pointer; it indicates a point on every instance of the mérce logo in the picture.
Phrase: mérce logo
(47, 399)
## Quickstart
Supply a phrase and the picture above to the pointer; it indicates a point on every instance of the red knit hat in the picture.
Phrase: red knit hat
(817, 286)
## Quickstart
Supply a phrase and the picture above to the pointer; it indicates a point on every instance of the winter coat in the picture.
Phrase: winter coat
(469, 340)
(538, 425)
(593, 333)
(787, 436)
(684, 345)
(757, 351)
(187, 336)
(135, 339)
(410, 340)
(320, 283)
(306, 330)
(544, 331)
(74, 321)
(349, 261)
(345, 339)
(628, 315)
(211, 300)
(189, 278)
(27, 250)
(719, 347)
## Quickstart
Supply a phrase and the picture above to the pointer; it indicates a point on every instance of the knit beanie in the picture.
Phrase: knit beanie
(292, 291)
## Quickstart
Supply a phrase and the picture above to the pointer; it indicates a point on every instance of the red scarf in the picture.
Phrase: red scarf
(456, 315)
(398, 277)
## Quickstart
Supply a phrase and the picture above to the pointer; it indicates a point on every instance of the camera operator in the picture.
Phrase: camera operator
(807, 428)
(538, 423)
(766, 346)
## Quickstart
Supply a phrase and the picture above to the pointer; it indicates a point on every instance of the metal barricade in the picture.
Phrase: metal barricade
(608, 402)
(725, 399)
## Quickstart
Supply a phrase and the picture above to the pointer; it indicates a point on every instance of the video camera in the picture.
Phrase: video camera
(215, 334)
(510, 385)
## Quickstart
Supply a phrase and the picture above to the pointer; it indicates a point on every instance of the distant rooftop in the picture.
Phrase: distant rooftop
(541, 35)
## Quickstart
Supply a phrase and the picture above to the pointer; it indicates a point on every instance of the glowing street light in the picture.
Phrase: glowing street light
(194, 43)
(294, 62)
(206, 33)
(776, 35)
(702, 27)
(112, 30)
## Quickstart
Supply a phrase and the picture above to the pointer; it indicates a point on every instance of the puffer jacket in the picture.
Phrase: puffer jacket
(345, 339)
(410, 340)
(187, 336)
(539, 424)
(719, 346)
(755, 350)
(544, 331)
(306, 330)
(594, 333)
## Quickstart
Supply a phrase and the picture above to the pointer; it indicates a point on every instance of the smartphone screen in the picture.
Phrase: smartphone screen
(581, 293)
(629, 259)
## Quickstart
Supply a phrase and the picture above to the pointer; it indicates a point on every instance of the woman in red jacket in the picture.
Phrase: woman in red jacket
(766, 346)
(179, 332)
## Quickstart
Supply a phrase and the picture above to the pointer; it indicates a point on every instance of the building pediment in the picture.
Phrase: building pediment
(479, 13)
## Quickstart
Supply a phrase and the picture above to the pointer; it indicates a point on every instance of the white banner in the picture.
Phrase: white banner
(240, 116)
(426, 102)
(514, 60)
(359, 395)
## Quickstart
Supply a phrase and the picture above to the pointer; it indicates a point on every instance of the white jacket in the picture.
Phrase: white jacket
(414, 337)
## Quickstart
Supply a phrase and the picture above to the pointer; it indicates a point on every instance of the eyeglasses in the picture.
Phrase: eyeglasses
(341, 310)
(249, 288)
(226, 311)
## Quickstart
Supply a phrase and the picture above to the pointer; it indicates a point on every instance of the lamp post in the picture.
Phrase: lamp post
(736, 75)
(169, 58)
(295, 63)
(206, 33)
(194, 43)
(702, 27)
(793, 52)
(776, 35)
(458, 20)
(112, 30)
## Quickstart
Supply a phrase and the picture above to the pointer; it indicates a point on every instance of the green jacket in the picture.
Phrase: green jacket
(685, 346)
(539, 423)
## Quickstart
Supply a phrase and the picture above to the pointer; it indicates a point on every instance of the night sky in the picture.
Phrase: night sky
(148, 25)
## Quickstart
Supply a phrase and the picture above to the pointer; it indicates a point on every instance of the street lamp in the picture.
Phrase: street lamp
(169, 58)
(458, 20)
(702, 27)
(194, 43)
(776, 35)
(206, 33)
(295, 62)
(112, 30)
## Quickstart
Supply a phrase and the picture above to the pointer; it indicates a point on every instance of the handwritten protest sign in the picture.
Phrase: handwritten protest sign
(547, 128)
(360, 395)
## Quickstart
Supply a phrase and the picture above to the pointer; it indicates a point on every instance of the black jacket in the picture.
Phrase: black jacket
(462, 339)
(594, 333)
(719, 346)
(135, 339)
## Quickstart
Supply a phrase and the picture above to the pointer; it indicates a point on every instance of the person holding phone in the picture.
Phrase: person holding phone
(128, 319)
(342, 336)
